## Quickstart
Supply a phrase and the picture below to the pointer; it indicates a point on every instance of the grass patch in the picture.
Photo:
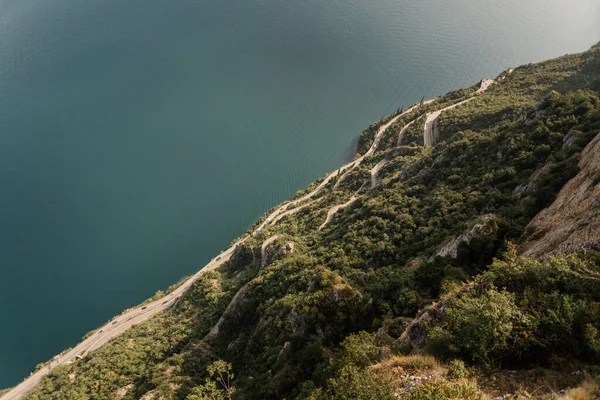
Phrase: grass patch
(463, 389)
(588, 390)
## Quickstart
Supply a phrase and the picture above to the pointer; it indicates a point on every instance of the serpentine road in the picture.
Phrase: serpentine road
(376, 141)
(284, 210)
(335, 209)
(430, 132)
(403, 131)
(263, 262)
(376, 170)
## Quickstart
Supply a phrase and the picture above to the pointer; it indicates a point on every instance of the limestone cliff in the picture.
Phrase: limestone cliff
(572, 222)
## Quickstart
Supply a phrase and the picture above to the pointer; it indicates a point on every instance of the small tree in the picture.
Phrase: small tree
(218, 386)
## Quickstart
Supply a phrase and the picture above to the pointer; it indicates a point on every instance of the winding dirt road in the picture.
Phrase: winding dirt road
(403, 131)
(376, 141)
(263, 260)
(334, 210)
(376, 170)
(284, 210)
(430, 132)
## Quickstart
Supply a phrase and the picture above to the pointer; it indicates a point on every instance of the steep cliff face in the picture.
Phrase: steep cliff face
(572, 222)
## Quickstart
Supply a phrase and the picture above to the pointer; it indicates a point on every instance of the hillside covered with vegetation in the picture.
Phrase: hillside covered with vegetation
(415, 289)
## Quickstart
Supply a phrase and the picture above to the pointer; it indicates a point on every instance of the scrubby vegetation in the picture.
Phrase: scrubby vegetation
(522, 311)
(329, 320)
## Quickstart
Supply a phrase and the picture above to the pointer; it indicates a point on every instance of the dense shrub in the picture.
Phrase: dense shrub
(524, 310)
(458, 370)
(353, 383)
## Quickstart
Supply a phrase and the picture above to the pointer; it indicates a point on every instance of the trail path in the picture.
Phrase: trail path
(431, 133)
(403, 131)
(292, 211)
(376, 170)
(263, 250)
(376, 141)
(215, 329)
(334, 210)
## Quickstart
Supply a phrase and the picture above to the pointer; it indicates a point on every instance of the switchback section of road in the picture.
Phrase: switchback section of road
(431, 133)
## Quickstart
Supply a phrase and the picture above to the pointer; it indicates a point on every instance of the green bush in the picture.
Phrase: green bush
(353, 383)
(458, 370)
(360, 349)
(521, 310)
(480, 328)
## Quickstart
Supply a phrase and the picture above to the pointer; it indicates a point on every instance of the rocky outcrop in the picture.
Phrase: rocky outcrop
(570, 140)
(572, 222)
(414, 337)
(287, 248)
(271, 252)
(483, 228)
(122, 392)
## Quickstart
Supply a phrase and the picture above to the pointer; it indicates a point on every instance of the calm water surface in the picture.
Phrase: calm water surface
(139, 137)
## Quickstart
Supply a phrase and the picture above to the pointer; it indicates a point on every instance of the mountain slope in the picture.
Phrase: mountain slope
(325, 313)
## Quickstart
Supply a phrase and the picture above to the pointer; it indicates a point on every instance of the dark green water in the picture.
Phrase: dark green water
(138, 138)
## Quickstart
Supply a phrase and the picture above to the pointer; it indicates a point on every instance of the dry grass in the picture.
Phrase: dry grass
(534, 382)
(422, 377)
(588, 390)
(399, 369)
(415, 362)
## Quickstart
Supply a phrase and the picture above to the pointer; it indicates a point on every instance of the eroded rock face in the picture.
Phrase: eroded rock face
(287, 248)
(415, 335)
(572, 222)
(275, 252)
(482, 228)
(121, 392)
